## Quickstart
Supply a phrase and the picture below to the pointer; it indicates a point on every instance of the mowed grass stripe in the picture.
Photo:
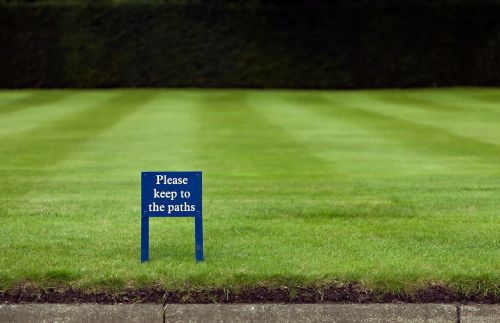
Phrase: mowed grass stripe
(447, 157)
(258, 159)
(32, 100)
(25, 159)
(262, 187)
(92, 197)
(158, 138)
(397, 190)
(386, 176)
(451, 111)
(323, 226)
(413, 134)
(229, 126)
(354, 151)
(172, 139)
(71, 101)
(313, 121)
(371, 226)
(433, 105)
(421, 101)
(488, 98)
(9, 96)
(279, 210)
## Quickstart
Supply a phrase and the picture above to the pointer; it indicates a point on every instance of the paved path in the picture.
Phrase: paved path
(250, 313)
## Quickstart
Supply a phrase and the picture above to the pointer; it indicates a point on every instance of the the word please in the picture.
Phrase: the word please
(165, 180)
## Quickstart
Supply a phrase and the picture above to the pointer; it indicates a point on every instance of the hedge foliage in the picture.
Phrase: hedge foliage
(295, 45)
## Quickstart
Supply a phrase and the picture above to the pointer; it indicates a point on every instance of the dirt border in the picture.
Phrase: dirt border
(350, 293)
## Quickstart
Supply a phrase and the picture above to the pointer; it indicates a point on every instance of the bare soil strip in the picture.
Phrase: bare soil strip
(351, 293)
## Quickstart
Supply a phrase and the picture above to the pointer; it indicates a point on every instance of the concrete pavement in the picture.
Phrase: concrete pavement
(250, 313)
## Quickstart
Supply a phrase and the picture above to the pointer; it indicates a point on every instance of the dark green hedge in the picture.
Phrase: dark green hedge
(337, 45)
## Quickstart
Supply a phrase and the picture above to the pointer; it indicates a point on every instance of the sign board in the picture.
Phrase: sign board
(171, 194)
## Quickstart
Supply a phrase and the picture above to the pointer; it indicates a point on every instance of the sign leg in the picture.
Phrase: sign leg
(198, 231)
(144, 239)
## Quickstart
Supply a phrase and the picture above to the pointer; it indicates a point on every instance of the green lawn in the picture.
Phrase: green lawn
(394, 189)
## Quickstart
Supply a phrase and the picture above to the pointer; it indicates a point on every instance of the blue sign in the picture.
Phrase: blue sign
(171, 194)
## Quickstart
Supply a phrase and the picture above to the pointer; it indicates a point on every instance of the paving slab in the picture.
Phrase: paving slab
(480, 313)
(80, 313)
(229, 313)
(313, 313)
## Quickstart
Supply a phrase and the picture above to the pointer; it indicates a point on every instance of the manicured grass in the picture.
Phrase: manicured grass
(394, 189)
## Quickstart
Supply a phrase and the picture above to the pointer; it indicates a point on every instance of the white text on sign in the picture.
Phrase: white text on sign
(165, 180)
